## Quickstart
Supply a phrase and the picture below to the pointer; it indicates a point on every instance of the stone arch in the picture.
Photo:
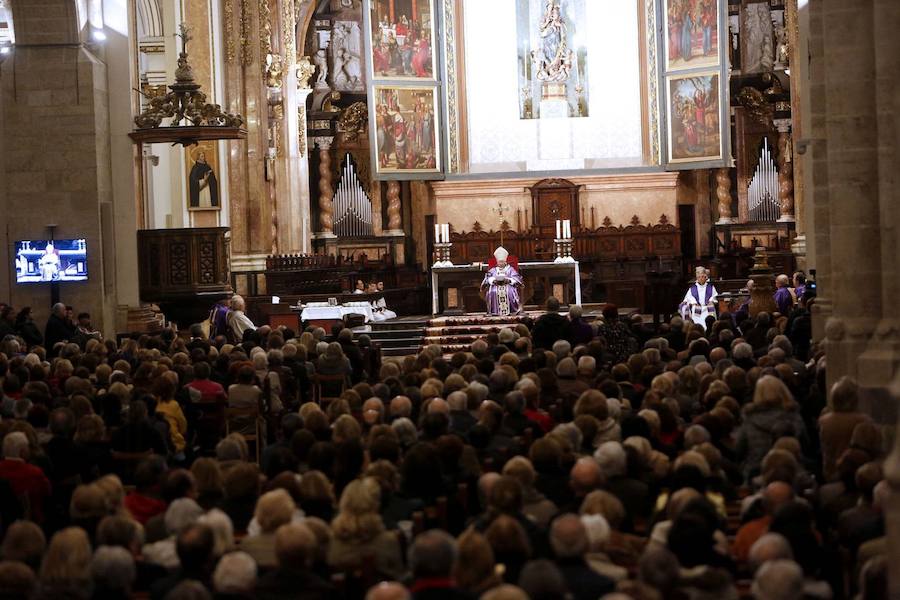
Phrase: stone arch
(149, 19)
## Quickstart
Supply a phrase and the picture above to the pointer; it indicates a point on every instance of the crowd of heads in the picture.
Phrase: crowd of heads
(567, 458)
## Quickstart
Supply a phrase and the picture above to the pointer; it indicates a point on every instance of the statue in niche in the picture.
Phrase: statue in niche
(553, 58)
(337, 47)
(758, 55)
(321, 61)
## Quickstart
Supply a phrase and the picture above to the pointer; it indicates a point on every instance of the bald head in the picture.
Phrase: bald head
(388, 590)
(585, 476)
(776, 495)
(438, 405)
(716, 354)
(401, 406)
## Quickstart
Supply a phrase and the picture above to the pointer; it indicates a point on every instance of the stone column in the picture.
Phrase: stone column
(785, 170)
(395, 219)
(851, 131)
(880, 363)
(326, 191)
(723, 193)
(56, 166)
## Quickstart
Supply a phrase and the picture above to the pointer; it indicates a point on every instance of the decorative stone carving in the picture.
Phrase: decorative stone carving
(246, 34)
(273, 71)
(288, 25)
(758, 55)
(228, 30)
(723, 193)
(265, 30)
(393, 210)
(345, 52)
(326, 191)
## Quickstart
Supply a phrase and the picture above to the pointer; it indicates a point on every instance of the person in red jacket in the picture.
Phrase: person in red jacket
(27, 481)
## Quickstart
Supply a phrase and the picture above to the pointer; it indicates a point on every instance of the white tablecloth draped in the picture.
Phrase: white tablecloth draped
(311, 313)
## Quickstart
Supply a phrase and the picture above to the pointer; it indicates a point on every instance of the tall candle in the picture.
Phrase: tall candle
(558, 230)
(567, 232)
(437, 233)
(447, 233)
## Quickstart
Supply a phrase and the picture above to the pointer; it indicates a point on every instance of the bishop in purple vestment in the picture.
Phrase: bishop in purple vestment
(502, 283)
(700, 300)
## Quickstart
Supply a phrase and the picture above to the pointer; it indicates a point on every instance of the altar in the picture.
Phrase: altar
(457, 289)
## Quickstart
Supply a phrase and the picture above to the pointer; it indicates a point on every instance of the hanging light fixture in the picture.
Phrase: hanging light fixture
(183, 116)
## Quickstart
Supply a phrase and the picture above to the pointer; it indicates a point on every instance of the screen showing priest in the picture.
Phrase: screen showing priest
(700, 300)
(502, 283)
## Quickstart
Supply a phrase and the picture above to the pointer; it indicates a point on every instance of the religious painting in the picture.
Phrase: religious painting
(694, 117)
(406, 130)
(552, 58)
(691, 33)
(402, 39)
(203, 186)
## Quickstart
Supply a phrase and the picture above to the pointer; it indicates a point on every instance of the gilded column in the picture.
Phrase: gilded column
(326, 191)
(395, 221)
(723, 193)
(785, 170)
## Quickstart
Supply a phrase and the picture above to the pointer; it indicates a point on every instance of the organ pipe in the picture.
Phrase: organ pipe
(763, 191)
(353, 207)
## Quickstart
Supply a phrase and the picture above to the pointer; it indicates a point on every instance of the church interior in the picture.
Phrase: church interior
(366, 163)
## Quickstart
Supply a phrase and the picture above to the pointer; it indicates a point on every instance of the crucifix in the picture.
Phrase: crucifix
(501, 208)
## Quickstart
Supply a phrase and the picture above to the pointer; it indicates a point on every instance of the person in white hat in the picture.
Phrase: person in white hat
(502, 284)
(700, 300)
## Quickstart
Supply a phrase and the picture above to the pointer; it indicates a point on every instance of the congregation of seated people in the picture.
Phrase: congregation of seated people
(557, 458)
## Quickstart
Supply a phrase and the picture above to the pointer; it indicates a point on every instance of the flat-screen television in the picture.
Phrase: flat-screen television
(48, 261)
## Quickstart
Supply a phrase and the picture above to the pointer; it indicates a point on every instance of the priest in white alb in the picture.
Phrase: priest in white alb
(502, 283)
(700, 300)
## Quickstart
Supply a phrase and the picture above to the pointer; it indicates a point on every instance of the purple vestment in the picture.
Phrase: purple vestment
(502, 299)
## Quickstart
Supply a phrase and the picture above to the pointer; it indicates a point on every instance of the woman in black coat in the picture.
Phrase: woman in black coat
(26, 328)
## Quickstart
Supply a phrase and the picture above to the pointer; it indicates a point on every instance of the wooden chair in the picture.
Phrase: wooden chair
(248, 415)
(325, 386)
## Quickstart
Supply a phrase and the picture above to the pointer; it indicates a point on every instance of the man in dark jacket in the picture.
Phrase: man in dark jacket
(295, 547)
(58, 328)
(551, 326)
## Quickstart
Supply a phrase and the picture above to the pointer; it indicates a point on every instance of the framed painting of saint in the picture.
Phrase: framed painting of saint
(691, 34)
(407, 139)
(402, 36)
(203, 185)
(694, 117)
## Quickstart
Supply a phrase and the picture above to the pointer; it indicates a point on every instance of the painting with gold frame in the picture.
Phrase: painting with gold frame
(401, 39)
(691, 34)
(694, 117)
(407, 139)
(204, 192)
